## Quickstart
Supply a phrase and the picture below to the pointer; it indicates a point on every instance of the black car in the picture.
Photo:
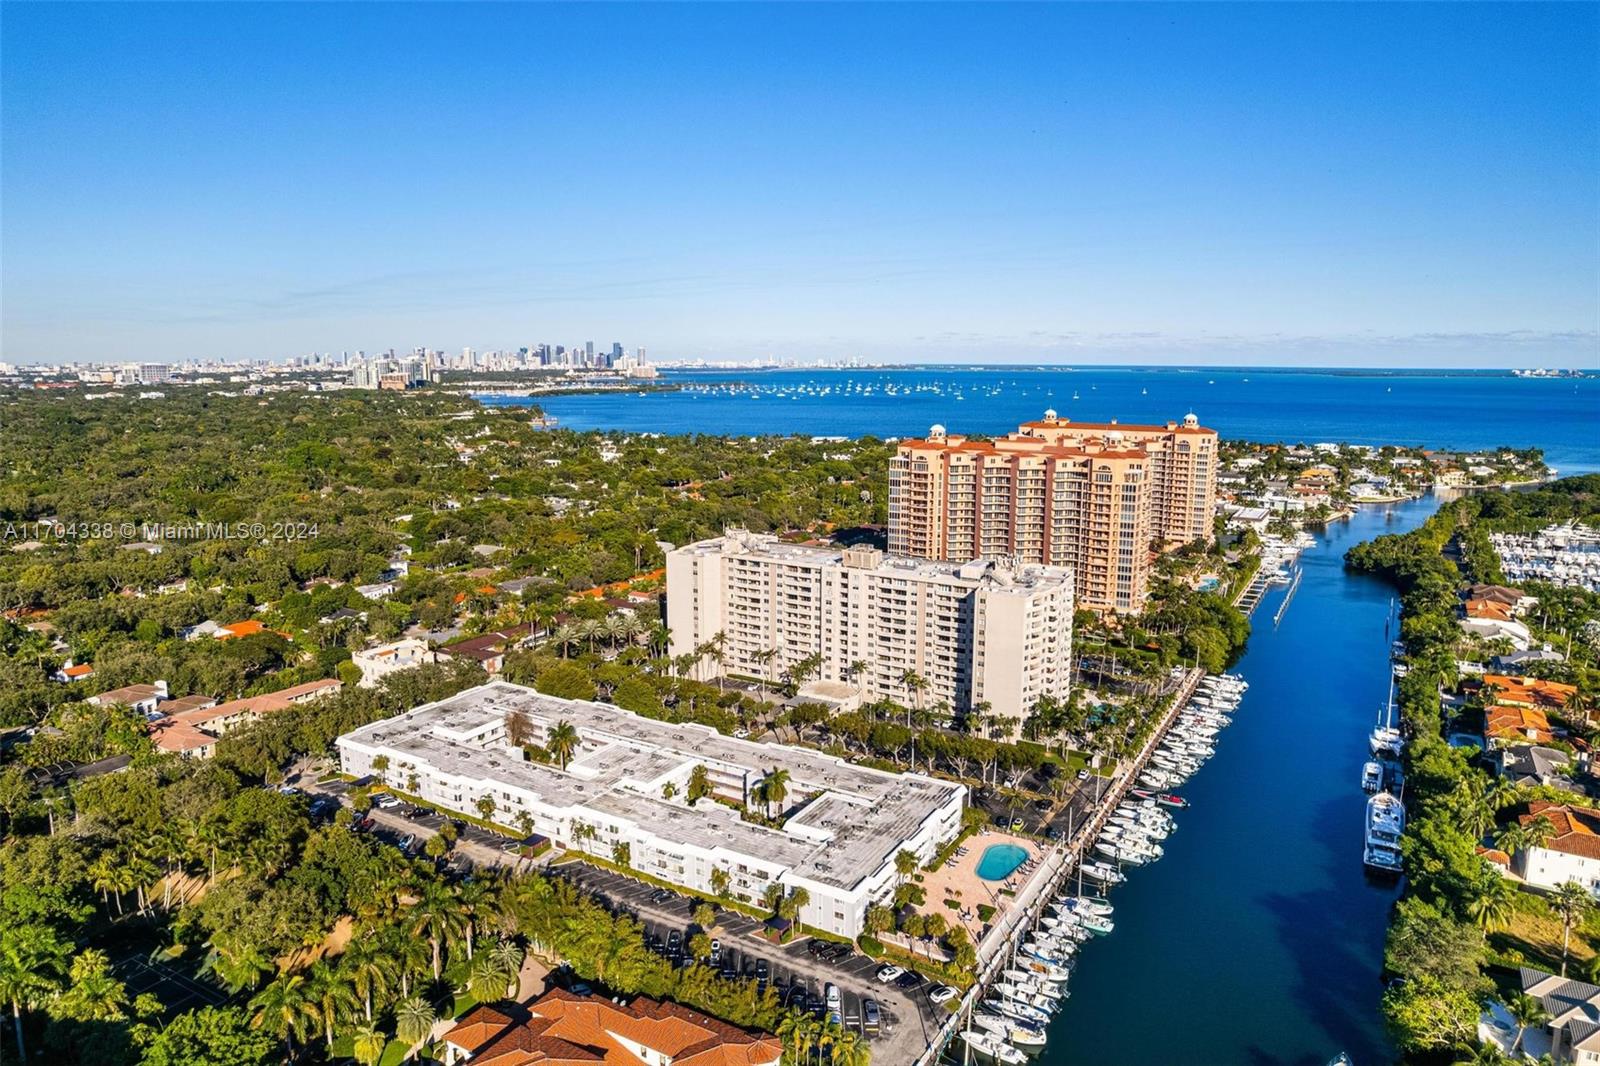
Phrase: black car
(840, 953)
(816, 947)
(909, 980)
(674, 941)
(660, 895)
(796, 999)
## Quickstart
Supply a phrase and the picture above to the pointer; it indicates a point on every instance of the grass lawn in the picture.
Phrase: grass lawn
(1534, 937)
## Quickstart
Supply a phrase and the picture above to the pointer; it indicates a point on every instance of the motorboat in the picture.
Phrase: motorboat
(1386, 822)
(1167, 799)
(1022, 1034)
(1047, 971)
(1030, 994)
(1103, 872)
(1372, 776)
(1091, 904)
(1126, 852)
(993, 1047)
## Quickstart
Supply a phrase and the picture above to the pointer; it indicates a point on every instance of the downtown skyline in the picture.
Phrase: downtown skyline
(1317, 186)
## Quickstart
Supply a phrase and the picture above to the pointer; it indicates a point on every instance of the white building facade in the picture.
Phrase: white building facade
(978, 633)
(627, 784)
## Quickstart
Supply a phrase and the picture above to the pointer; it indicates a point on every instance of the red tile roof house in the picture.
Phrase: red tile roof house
(1571, 854)
(563, 1029)
(489, 650)
(192, 729)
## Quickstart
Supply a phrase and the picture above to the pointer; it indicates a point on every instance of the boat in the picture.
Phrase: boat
(1022, 1012)
(1103, 872)
(1030, 995)
(1022, 1034)
(1386, 738)
(1386, 821)
(1372, 776)
(1168, 799)
(993, 1047)
(1091, 904)
(1122, 852)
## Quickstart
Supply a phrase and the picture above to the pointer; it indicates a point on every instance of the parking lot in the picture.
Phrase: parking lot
(908, 1018)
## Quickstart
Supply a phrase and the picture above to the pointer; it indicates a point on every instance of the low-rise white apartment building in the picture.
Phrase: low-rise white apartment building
(385, 659)
(982, 632)
(628, 784)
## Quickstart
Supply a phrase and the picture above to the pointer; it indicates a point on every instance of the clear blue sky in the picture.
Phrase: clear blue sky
(1272, 184)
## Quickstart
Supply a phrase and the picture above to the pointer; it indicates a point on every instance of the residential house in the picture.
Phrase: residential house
(1518, 661)
(1571, 854)
(1532, 764)
(378, 590)
(142, 698)
(1516, 599)
(74, 672)
(1528, 691)
(561, 1028)
(1514, 725)
(1572, 1007)
(489, 650)
(378, 663)
(1497, 629)
(208, 628)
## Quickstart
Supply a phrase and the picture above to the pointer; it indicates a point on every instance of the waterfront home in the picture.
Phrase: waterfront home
(1571, 854)
(1528, 691)
(1518, 661)
(1493, 609)
(1572, 1029)
(1497, 629)
(1532, 764)
(1514, 725)
(1516, 599)
(563, 1029)
(378, 663)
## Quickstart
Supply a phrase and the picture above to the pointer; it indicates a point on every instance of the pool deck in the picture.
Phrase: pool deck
(961, 882)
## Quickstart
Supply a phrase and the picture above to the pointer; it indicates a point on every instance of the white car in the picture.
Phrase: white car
(942, 993)
(889, 973)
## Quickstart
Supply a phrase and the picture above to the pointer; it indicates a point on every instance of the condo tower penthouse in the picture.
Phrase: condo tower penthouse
(842, 824)
(985, 632)
(1093, 497)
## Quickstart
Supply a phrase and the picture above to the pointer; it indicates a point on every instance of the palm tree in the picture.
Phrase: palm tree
(508, 954)
(1528, 1013)
(32, 962)
(435, 916)
(562, 741)
(487, 979)
(368, 1045)
(369, 969)
(288, 1008)
(565, 638)
(1493, 905)
(699, 783)
(1573, 902)
(410, 955)
(775, 788)
(797, 1032)
(914, 683)
(336, 1000)
(905, 864)
(413, 1021)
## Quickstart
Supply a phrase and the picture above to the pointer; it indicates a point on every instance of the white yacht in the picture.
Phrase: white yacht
(1386, 821)
(993, 1047)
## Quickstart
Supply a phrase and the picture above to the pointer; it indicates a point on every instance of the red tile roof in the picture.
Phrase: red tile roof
(1577, 828)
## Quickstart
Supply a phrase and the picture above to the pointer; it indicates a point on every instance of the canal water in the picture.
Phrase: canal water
(1258, 939)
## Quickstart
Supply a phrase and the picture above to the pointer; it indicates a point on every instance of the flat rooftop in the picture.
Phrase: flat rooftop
(978, 572)
(853, 822)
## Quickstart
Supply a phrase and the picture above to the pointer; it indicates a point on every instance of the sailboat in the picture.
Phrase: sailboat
(1385, 738)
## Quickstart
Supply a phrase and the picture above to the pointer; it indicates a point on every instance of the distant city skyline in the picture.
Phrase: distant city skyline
(1329, 186)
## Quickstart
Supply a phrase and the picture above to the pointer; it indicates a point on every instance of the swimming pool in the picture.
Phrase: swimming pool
(1000, 861)
(1210, 584)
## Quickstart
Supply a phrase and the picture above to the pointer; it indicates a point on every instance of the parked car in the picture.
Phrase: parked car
(1083, 774)
(388, 801)
(871, 1017)
(941, 993)
(888, 973)
(816, 947)
(831, 997)
(909, 980)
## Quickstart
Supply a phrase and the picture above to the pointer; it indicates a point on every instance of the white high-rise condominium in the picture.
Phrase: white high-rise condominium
(984, 634)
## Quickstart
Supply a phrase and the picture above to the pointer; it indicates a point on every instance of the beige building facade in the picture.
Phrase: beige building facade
(1094, 498)
(985, 633)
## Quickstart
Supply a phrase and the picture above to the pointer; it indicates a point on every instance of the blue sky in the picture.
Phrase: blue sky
(1323, 185)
